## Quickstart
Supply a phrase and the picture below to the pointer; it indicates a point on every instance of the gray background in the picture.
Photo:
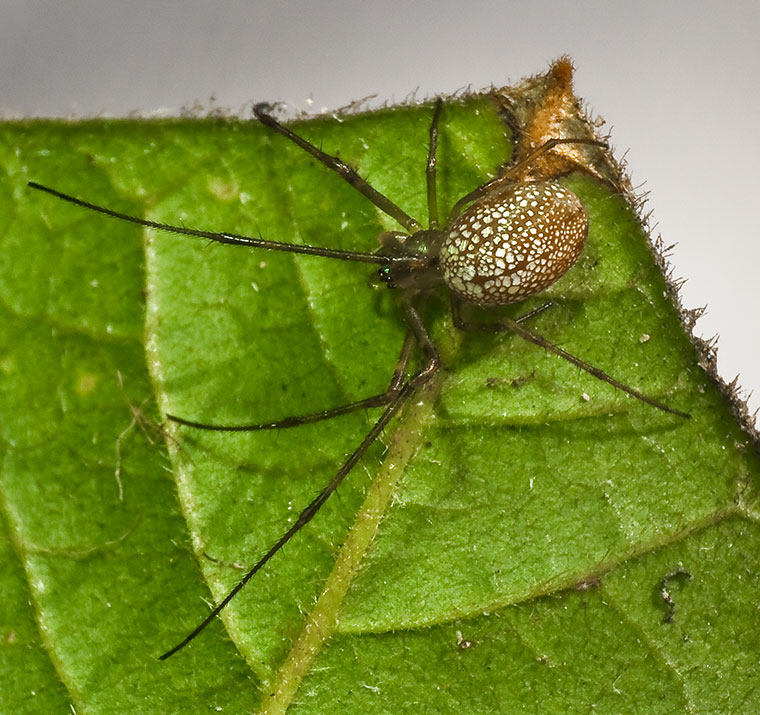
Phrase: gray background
(677, 81)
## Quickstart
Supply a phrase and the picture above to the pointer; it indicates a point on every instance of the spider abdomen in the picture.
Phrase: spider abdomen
(512, 243)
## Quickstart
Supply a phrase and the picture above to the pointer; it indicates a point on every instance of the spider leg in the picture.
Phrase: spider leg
(343, 170)
(380, 400)
(547, 146)
(405, 391)
(229, 238)
(506, 324)
(430, 168)
(513, 171)
(466, 326)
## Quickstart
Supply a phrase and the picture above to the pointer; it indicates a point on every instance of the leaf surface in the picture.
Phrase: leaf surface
(504, 546)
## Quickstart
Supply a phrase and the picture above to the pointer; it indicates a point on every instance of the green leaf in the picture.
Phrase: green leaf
(502, 550)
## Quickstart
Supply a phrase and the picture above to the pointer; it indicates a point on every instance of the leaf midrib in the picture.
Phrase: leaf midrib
(323, 620)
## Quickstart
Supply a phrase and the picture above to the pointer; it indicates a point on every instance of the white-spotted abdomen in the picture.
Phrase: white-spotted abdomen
(513, 243)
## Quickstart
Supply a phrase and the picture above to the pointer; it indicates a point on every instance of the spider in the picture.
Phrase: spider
(506, 240)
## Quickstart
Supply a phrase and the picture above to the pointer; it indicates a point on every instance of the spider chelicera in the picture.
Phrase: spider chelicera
(506, 240)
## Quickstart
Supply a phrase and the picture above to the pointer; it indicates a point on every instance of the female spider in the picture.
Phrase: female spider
(506, 240)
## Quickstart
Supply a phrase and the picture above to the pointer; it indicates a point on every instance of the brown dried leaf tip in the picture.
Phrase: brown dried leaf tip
(524, 230)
